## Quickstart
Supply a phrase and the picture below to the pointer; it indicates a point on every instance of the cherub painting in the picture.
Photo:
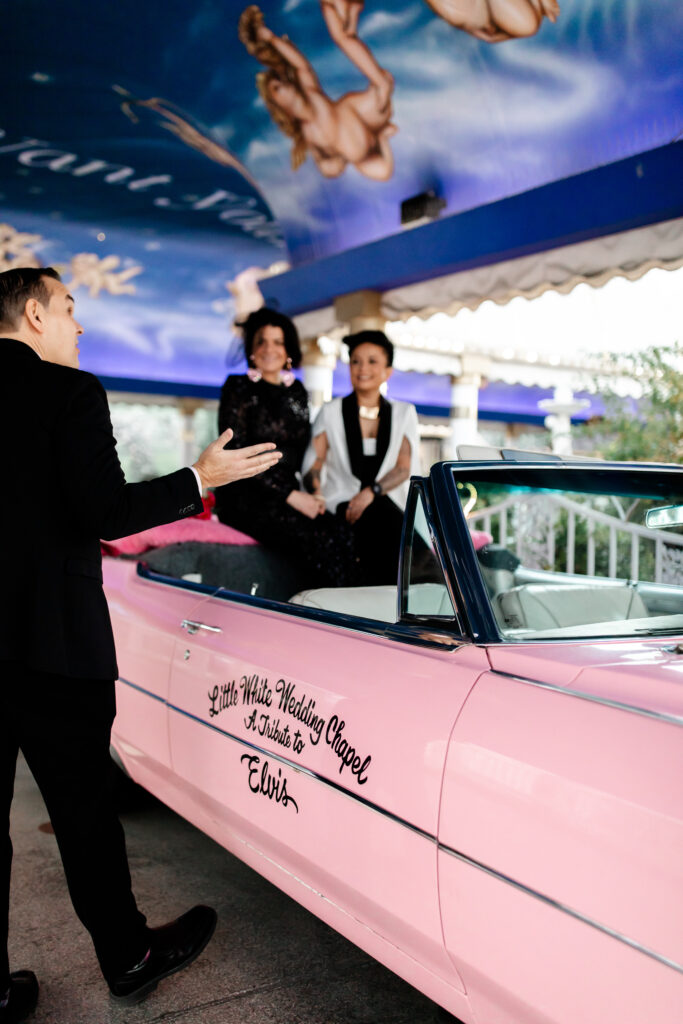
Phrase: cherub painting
(494, 21)
(174, 121)
(17, 248)
(97, 275)
(354, 129)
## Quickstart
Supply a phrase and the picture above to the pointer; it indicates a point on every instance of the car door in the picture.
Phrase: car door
(146, 614)
(316, 741)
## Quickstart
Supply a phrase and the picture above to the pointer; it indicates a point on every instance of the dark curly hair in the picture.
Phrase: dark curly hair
(265, 317)
(371, 338)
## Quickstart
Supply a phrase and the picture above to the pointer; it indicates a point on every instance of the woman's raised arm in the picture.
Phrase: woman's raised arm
(320, 446)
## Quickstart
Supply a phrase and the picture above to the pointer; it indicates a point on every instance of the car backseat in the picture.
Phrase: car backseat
(542, 606)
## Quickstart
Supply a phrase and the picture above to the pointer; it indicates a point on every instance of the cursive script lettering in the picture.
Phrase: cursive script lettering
(262, 781)
(234, 210)
(300, 708)
(261, 716)
(345, 752)
(223, 698)
(255, 691)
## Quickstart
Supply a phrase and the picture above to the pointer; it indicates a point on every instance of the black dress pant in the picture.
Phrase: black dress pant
(377, 537)
(63, 727)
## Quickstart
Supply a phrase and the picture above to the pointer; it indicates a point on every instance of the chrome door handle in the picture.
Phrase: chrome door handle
(194, 627)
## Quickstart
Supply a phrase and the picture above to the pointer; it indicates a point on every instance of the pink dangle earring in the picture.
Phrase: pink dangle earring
(253, 374)
(286, 376)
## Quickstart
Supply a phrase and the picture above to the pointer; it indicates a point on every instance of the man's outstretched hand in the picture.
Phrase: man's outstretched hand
(216, 466)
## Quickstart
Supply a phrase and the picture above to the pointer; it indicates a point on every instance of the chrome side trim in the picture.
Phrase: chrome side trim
(288, 764)
(605, 929)
(660, 716)
(499, 876)
(427, 634)
(299, 769)
(141, 689)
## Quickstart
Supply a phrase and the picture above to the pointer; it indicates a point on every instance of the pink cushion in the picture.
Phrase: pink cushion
(480, 538)
(211, 531)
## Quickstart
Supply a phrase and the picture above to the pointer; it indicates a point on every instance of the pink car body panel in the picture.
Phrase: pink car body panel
(480, 834)
(580, 803)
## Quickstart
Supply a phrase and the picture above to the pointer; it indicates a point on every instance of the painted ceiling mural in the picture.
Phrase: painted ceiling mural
(155, 152)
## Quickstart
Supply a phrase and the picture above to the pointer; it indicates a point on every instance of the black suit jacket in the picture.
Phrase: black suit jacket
(63, 489)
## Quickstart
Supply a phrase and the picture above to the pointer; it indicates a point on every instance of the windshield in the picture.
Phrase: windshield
(580, 552)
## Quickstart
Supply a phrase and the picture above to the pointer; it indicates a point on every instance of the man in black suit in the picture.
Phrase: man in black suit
(64, 490)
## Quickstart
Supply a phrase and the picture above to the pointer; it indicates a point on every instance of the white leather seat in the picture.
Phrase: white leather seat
(366, 602)
(377, 603)
(542, 606)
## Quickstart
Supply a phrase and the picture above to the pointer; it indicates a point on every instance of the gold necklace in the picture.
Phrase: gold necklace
(368, 412)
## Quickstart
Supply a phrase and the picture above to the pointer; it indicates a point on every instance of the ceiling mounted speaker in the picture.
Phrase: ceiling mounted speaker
(423, 207)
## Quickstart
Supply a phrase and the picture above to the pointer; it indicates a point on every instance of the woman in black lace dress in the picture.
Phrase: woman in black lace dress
(269, 404)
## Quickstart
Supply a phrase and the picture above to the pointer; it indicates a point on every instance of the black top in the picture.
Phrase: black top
(258, 412)
(365, 467)
(64, 489)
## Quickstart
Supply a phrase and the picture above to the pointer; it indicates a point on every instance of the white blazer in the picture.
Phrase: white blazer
(337, 481)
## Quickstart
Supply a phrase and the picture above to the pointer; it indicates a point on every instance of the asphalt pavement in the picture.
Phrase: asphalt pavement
(270, 961)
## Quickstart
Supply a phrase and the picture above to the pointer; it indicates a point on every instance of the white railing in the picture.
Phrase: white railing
(530, 524)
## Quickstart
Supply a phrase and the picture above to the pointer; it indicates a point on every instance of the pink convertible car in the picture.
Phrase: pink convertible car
(476, 775)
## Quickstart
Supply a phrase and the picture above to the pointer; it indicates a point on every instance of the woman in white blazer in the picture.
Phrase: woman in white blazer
(363, 451)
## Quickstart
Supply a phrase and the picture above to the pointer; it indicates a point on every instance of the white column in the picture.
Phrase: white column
(465, 403)
(318, 368)
(188, 407)
(560, 408)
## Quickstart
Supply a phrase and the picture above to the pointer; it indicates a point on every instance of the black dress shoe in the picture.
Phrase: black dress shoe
(172, 947)
(23, 996)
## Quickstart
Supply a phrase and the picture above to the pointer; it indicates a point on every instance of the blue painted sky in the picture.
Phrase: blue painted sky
(476, 122)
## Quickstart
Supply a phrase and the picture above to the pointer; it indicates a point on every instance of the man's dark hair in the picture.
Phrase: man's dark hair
(371, 338)
(18, 286)
(271, 318)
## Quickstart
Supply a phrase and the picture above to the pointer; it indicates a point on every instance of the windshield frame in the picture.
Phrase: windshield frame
(651, 480)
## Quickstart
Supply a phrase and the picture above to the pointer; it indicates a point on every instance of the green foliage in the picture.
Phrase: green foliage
(652, 431)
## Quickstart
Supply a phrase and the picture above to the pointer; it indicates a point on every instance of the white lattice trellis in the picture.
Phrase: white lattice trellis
(531, 524)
